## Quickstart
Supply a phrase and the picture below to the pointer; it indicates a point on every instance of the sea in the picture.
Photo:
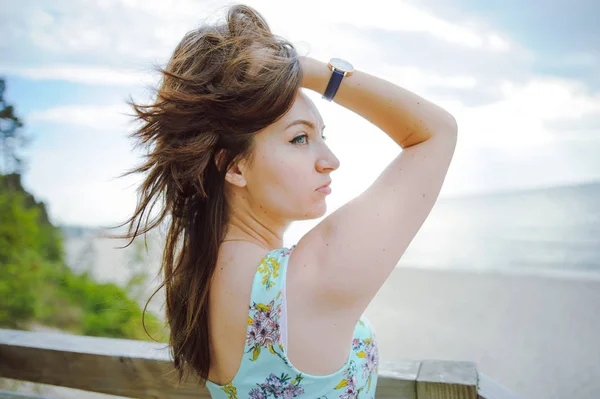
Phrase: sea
(547, 232)
(551, 231)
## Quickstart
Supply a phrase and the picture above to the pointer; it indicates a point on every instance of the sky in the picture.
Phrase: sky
(521, 78)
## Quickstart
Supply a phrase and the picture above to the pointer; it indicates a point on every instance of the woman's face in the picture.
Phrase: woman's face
(291, 160)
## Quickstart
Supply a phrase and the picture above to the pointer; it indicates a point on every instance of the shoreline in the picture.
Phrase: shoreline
(531, 272)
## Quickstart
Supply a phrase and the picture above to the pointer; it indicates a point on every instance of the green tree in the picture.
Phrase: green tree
(12, 137)
(20, 262)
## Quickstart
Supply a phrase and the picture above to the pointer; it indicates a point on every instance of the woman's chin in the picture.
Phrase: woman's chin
(314, 210)
(317, 211)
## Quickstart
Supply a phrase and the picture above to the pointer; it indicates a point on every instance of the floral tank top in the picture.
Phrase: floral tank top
(265, 372)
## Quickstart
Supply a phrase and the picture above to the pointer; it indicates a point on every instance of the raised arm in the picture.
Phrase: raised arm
(348, 256)
(407, 118)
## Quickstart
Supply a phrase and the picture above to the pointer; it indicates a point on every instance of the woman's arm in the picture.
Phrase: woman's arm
(343, 261)
(407, 118)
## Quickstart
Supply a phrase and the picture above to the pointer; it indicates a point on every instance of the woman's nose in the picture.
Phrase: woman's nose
(328, 162)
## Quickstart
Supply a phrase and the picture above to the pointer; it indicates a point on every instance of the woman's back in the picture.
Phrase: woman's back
(261, 349)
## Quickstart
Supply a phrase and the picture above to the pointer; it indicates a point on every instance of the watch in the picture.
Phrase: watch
(339, 69)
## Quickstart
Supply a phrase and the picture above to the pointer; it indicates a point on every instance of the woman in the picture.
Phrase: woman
(236, 155)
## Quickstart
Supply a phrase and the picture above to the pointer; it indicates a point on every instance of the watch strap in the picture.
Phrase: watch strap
(334, 83)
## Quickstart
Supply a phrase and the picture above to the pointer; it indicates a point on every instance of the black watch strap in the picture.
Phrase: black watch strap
(334, 83)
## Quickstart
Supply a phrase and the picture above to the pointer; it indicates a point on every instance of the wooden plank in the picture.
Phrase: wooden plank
(447, 379)
(85, 344)
(134, 369)
(398, 379)
(16, 395)
(141, 369)
(490, 389)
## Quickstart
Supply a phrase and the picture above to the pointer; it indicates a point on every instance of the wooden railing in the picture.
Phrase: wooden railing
(140, 369)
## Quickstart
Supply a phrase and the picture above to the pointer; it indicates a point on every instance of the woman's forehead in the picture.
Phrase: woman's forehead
(303, 109)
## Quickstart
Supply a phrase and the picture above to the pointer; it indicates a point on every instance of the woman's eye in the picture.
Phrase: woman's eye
(297, 139)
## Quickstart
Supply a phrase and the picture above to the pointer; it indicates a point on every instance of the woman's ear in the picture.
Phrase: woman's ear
(234, 174)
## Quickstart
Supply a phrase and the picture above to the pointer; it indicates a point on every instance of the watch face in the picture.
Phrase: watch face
(341, 64)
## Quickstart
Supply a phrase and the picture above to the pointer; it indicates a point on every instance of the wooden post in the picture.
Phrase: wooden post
(447, 379)
(398, 380)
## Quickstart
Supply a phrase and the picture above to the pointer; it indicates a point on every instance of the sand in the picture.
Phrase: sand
(537, 336)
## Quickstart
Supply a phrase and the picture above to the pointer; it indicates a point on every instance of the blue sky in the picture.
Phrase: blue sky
(522, 79)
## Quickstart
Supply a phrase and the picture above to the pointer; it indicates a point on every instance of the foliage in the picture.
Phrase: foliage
(37, 286)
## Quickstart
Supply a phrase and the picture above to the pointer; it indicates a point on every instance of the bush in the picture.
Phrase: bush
(37, 286)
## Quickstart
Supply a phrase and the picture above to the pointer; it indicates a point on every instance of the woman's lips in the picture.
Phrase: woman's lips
(324, 190)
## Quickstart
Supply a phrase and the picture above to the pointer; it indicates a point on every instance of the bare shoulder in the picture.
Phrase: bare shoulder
(346, 258)
(237, 264)
(231, 284)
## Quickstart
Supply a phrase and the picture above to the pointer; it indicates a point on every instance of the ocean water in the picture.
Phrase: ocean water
(554, 231)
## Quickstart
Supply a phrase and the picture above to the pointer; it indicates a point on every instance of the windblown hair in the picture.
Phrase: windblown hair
(223, 84)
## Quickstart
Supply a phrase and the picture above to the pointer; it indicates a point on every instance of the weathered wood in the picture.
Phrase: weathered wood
(17, 395)
(135, 369)
(490, 389)
(398, 380)
(447, 379)
(140, 369)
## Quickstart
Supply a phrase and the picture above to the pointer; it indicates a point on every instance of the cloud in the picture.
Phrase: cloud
(90, 75)
(586, 126)
(110, 118)
(485, 69)
(522, 116)
(562, 34)
(104, 35)
(75, 170)
(403, 17)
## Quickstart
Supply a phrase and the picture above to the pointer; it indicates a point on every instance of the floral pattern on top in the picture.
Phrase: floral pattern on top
(266, 373)
(269, 271)
(363, 349)
(264, 329)
(230, 391)
(278, 387)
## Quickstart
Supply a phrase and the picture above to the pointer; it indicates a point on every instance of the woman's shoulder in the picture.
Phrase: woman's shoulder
(243, 262)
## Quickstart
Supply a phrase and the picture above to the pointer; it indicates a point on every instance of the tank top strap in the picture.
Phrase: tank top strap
(264, 343)
(269, 279)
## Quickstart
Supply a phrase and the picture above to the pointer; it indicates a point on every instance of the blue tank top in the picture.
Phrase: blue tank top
(265, 371)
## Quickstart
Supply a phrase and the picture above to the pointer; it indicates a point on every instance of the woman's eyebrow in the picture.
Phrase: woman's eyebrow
(303, 122)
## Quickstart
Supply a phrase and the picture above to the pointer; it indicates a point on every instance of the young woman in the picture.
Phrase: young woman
(236, 154)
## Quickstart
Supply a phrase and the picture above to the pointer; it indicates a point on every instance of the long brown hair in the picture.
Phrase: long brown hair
(222, 84)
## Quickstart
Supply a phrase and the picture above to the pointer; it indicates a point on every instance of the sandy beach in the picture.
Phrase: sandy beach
(537, 336)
